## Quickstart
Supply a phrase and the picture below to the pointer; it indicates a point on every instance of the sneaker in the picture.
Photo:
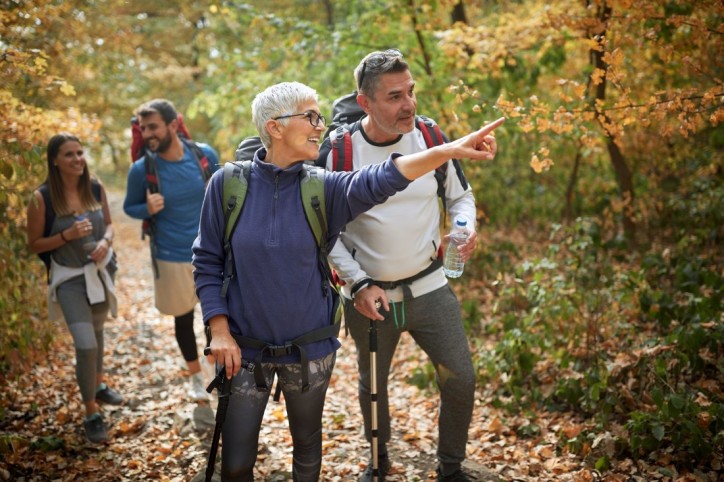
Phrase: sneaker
(383, 466)
(457, 476)
(95, 428)
(107, 395)
(197, 391)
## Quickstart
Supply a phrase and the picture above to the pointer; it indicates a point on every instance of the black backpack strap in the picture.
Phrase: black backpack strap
(330, 331)
(313, 201)
(44, 190)
(236, 181)
(96, 190)
(148, 227)
(200, 157)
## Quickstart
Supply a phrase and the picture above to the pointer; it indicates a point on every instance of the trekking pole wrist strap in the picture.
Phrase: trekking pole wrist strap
(360, 285)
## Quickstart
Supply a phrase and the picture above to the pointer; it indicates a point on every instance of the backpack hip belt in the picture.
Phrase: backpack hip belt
(390, 285)
(330, 331)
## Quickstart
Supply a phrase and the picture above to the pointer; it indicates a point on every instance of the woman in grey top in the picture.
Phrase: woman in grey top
(69, 226)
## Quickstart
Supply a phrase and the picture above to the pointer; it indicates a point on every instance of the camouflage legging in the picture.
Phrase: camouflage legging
(240, 434)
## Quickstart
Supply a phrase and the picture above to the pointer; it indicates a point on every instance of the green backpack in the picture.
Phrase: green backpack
(236, 182)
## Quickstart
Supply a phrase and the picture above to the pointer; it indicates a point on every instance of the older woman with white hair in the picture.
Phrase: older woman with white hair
(274, 304)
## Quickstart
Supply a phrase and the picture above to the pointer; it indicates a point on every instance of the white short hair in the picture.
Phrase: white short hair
(278, 100)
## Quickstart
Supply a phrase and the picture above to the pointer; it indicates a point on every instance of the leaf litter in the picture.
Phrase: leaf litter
(159, 434)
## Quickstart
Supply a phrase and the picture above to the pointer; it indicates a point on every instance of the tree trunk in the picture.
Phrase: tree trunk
(420, 40)
(458, 13)
(329, 9)
(625, 184)
(114, 154)
(568, 210)
(620, 167)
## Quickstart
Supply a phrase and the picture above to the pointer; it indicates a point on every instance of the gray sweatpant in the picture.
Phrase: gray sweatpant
(434, 322)
(85, 323)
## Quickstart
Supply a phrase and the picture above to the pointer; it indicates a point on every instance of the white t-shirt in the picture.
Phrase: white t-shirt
(399, 238)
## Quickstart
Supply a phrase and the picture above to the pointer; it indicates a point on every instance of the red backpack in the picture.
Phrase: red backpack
(346, 118)
(346, 115)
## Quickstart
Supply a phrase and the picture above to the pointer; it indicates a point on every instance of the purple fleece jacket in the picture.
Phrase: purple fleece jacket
(276, 294)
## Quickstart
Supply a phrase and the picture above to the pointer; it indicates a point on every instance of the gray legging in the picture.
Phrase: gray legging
(85, 323)
(434, 322)
(240, 434)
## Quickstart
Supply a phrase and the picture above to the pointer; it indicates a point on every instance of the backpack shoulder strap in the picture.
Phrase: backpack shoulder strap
(430, 131)
(312, 190)
(149, 164)
(312, 187)
(200, 157)
(341, 143)
(434, 137)
(236, 184)
(96, 190)
(44, 190)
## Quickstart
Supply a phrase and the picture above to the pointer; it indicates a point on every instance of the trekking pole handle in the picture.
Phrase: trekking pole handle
(248, 366)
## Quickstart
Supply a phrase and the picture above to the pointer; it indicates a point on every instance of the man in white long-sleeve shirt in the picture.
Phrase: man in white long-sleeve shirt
(391, 255)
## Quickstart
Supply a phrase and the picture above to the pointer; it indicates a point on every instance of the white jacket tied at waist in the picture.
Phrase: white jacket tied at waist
(98, 282)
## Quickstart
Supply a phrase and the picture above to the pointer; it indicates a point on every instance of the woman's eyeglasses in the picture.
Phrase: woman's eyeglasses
(377, 60)
(314, 118)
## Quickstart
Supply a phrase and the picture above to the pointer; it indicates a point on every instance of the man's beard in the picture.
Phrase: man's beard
(163, 144)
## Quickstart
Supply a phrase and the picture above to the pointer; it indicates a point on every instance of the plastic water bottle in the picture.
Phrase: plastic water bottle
(88, 241)
(453, 263)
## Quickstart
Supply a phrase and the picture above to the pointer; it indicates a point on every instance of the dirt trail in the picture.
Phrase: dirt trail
(158, 434)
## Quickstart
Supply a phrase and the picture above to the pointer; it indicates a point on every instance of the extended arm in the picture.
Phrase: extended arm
(478, 145)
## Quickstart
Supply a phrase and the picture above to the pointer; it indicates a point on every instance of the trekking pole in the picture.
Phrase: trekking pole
(373, 397)
(223, 385)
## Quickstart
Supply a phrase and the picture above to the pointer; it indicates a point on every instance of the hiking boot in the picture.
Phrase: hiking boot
(197, 392)
(383, 466)
(457, 476)
(95, 428)
(104, 394)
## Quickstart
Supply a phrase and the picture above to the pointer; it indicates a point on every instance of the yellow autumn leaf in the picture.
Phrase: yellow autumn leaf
(535, 164)
(40, 63)
(594, 44)
(597, 76)
(539, 166)
(67, 89)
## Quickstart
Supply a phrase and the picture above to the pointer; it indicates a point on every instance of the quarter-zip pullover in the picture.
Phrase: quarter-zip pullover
(275, 296)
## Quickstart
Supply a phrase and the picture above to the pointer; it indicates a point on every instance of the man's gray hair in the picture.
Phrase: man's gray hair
(375, 64)
(278, 100)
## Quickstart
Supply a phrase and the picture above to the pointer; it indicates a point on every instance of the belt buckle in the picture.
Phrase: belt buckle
(280, 350)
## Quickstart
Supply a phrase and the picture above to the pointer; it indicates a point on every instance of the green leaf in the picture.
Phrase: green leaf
(658, 431)
(677, 401)
(658, 396)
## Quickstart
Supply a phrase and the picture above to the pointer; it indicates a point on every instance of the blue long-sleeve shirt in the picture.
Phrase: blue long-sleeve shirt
(182, 185)
(275, 296)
